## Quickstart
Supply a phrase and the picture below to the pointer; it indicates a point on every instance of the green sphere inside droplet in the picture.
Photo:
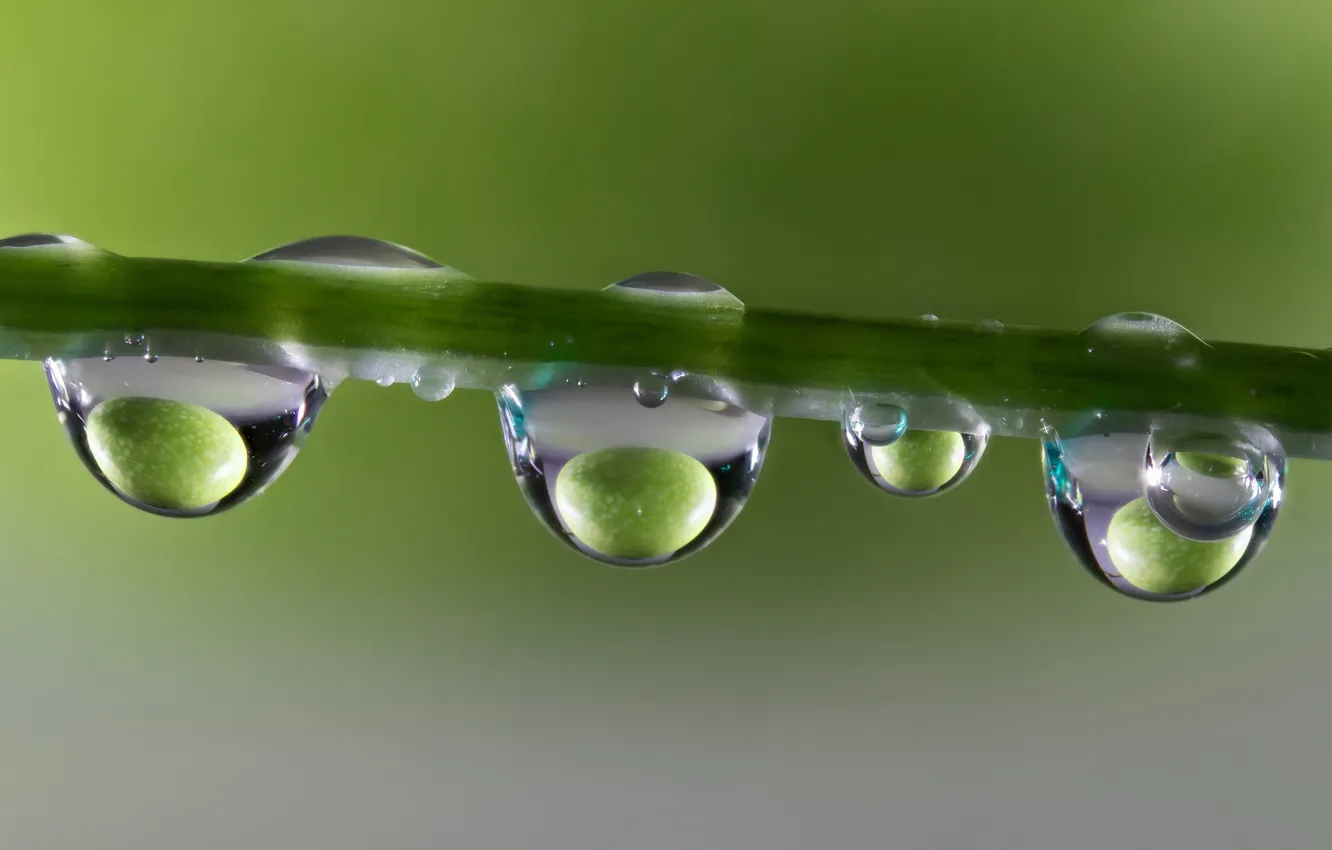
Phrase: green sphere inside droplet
(1211, 465)
(920, 461)
(635, 504)
(1155, 559)
(166, 454)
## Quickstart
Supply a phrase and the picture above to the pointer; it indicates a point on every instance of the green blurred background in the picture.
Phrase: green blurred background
(387, 650)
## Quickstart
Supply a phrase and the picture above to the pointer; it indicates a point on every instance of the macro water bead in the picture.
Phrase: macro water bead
(631, 467)
(1164, 517)
(166, 454)
(635, 503)
(915, 461)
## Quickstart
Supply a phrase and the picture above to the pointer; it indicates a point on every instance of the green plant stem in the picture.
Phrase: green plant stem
(52, 299)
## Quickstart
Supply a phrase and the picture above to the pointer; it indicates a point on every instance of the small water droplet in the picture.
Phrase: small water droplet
(929, 317)
(134, 339)
(198, 358)
(1158, 518)
(108, 357)
(909, 462)
(674, 289)
(627, 483)
(651, 392)
(179, 438)
(433, 383)
(149, 357)
(1139, 328)
(384, 380)
(990, 326)
(42, 240)
(876, 424)
(353, 251)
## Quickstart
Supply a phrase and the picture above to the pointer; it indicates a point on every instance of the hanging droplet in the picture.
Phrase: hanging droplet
(912, 462)
(1206, 487)
(180, 438)
(353, 251)
(1163, 519)
(433, 383)
(628, 484)
(651, 392)
(149, 357)
(631, 483)
(384, 380)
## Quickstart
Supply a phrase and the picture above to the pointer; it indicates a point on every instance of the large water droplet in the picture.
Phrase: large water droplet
(182, 438)
(352, 251)
(1164, 522)
(909, 462)
(629, 484)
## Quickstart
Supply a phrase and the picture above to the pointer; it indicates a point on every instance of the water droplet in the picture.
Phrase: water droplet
(1141, 328)
(876, 424)
(353, 251)
(134, 339)
(990, 326)
(108, 357)
(628, 484)
(676, 289)
(909, 462)
(384, 380)
(1162, 519)
(1206, 487)
(198, 358)
(149, 357)
(929, 317)
(433, 383)
(651, 392)
(42, 240)
(179, 438)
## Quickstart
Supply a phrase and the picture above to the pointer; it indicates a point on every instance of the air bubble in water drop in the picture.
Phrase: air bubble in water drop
(433, 383)
(1163, 518)
(911, 462)
(180, 438)
(651, 392)
(627, 483)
